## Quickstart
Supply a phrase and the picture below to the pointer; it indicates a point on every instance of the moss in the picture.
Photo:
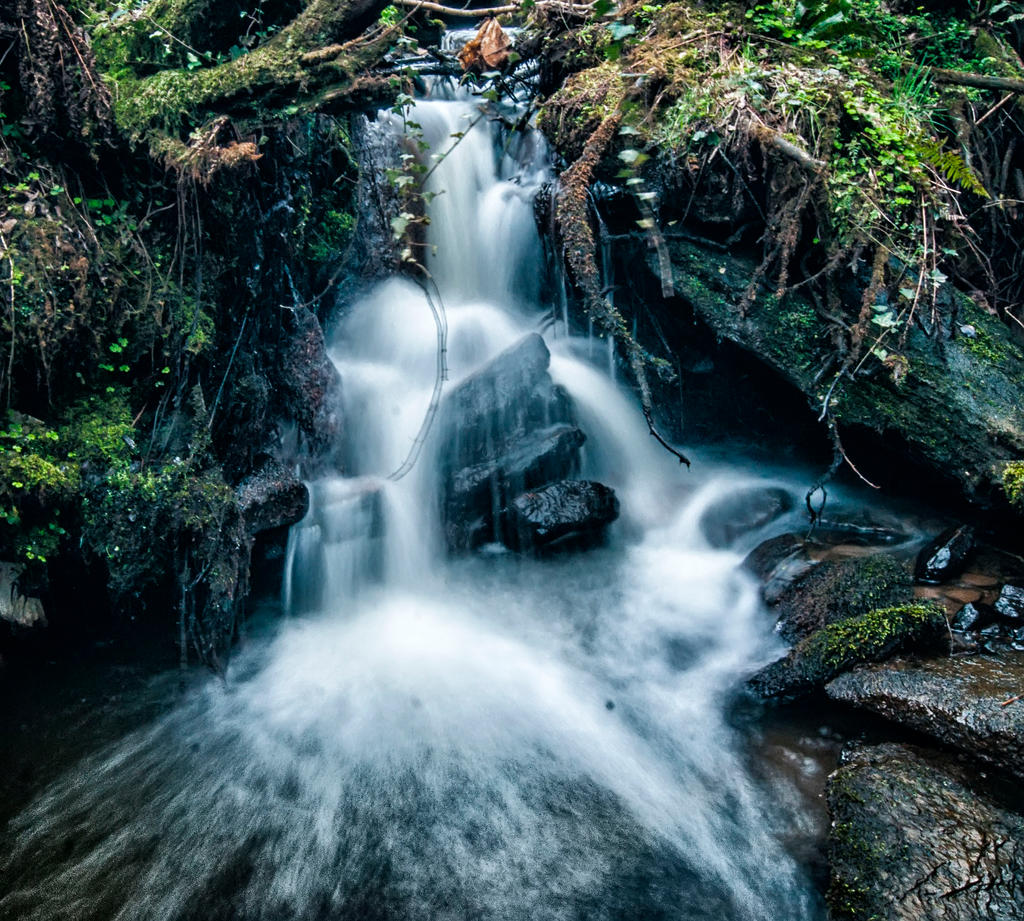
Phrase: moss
(1013, 482)
(837, 647)
(871, 636)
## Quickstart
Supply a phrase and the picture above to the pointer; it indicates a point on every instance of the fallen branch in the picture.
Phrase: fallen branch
(980, 81)
(1012, 700)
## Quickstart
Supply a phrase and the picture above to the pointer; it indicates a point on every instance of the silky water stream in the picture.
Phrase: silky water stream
(488, 737)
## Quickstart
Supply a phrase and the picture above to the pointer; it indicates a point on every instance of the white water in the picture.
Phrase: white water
(491, 738)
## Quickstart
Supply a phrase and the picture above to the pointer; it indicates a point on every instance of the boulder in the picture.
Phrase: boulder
(972, 617)
(945, 557)
(837, 590)
(833, 649)
(957, 701)
(503, 430)
(911, 840)
(488, 412)
(477, 496)
(576, 507)
(958, 412)
(272, 496)
(741, 512)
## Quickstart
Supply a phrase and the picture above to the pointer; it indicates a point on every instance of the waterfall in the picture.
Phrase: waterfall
(491, 736)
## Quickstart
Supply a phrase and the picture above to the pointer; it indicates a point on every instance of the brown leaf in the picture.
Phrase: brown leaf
(487, 50)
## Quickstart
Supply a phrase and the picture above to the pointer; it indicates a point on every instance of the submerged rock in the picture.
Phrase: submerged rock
(839, 646)
(945, 557)
(911, 840)
(574, 507)
(779, 562)
(741, 512)
(836, 590)
(957, 701)
(272, 496)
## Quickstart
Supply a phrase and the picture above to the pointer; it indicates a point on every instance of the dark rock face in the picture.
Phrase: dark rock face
(1010, 604)
(493, 409)
(964, 432)
(271, 497)
(744, 511)
(309, 381)
(476, 497)
(504, 430)
(910, 841)
(945, 557)
(839, 646)
(954, 700)
(834, 591)
(544, 515)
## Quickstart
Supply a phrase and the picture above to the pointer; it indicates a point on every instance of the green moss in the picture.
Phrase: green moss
(870, 637)
(1013, 482)
(837, 647)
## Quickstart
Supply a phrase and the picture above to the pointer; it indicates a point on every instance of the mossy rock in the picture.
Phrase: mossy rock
(839, 646)
(835, 591)
(954, 408)
(913, 838)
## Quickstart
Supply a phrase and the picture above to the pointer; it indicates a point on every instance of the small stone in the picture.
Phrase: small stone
(944, 558)
(969, 331)
(1010, 604)
(972, 617)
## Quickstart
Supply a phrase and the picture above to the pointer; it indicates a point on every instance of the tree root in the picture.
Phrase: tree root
(573, 220)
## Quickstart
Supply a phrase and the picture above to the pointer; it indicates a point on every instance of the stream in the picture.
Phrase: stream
(496, 736)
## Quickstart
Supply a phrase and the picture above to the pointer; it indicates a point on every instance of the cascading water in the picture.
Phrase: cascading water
(491, 737)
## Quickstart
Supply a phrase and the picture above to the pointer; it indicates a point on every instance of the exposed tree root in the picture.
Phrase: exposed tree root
(578, 238)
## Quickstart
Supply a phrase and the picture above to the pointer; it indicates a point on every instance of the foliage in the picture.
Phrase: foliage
(1013, 483)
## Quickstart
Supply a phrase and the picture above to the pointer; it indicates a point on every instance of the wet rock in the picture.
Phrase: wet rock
(477, 496)
(309, 381)
(485, 415)
(862, 534)
(911, 840)
(836, 590)
(929, 416)
(741, 512)
(1010, 604)
(272, 496)
(573, 507)
(945, 557)
(957, 701)
(504, 430)
(778, 563)
(15, 607)
(839, 646)
(972, 617)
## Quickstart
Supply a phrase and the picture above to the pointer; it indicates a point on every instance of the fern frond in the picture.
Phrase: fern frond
(953, 167)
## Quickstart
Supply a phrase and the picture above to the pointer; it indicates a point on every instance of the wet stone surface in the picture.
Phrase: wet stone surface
(912, 840)
(958, 701)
